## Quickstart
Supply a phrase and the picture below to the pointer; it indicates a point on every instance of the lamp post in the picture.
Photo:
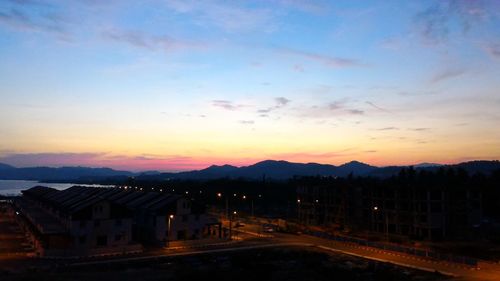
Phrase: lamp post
(227, 204)
(298, 210)
(244, 197)
(231, 225)
(171, 217)
(375, 209)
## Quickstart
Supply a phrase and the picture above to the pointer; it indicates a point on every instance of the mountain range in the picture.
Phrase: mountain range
(268, 169)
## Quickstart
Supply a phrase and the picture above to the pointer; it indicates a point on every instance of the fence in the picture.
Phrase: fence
(396, 248)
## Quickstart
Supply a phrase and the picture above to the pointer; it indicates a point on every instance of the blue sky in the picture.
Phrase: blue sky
(176, 85)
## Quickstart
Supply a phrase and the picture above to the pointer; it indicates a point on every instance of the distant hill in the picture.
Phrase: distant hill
(6, 167)
(268, 169)
(282, 170)
(471, 167)
(355, 168)
(58, 174)
(427, 165)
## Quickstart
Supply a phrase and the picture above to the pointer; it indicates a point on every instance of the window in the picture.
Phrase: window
(436, 207)
(82, 239)
(118, 237)
(118, 222)
(197, 217)
(102, 240)
(185, 218)
(97, 223)
(423, 218)
(83, 223)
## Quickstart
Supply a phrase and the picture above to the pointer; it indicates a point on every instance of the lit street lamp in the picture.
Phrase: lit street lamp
(227, 203)
(171, 217)
(298, 210)
(375, 209)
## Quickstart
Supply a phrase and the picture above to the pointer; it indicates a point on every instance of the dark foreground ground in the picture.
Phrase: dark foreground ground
(263, 264)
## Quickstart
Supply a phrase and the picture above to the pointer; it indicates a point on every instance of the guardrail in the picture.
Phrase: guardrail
(396, 248)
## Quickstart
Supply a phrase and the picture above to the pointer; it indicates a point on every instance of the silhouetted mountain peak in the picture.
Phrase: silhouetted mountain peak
(225, 167)
(426, 165)
(355, 163)
(269, 169)
(355, 167)
(6, 167)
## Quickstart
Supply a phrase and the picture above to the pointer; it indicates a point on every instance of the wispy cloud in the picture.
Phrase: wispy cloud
(493, 49)
(417, 93)
(329, 61)
(227, 105)
(356, 111)
(135, 162)
(387, 129)
(279, 103)
(229, 16)
(377, 107)
(331, 109)
(436, 22)
(141, 39)
(50, 159)
(247, 122)
(47, 22)
(446, 74)
(419, 129)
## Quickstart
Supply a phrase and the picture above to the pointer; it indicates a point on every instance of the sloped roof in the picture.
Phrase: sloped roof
(77, 198)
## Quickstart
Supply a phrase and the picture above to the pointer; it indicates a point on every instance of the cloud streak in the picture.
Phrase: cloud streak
(144, 40)
(329, 61)
(446, 74)
(280, 103)
(228, 16)
(47, 22)
(436, 22)
(227, 105)
(377, 107)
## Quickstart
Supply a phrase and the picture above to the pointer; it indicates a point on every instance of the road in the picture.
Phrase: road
(251, 236)
(485, 270)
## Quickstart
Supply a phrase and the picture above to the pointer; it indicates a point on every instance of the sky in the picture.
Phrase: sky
(181, 85)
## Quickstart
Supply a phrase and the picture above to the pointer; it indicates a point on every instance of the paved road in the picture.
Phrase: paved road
(252, 237)
(485, 271)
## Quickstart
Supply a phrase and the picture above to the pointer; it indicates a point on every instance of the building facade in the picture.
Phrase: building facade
(418, 212)
(86, 221)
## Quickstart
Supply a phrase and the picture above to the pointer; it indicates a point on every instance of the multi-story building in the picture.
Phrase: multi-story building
(420, 212)
(82, 221)
(77, 221)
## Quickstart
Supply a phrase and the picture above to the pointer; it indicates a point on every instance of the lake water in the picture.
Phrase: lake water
(14, 187)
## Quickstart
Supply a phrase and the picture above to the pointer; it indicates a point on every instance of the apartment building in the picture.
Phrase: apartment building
(84, 221)
(419, 212)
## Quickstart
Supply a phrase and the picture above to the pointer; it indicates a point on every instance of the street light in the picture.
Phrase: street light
(171, 217)
(251, 204)
(231, 225)
(298, 210)
(375, 209)
(227, 203)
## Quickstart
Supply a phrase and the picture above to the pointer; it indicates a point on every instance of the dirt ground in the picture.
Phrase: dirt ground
(265, 264)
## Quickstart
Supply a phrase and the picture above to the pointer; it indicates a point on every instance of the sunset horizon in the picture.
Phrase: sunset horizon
(249, 140)
(180, 85)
